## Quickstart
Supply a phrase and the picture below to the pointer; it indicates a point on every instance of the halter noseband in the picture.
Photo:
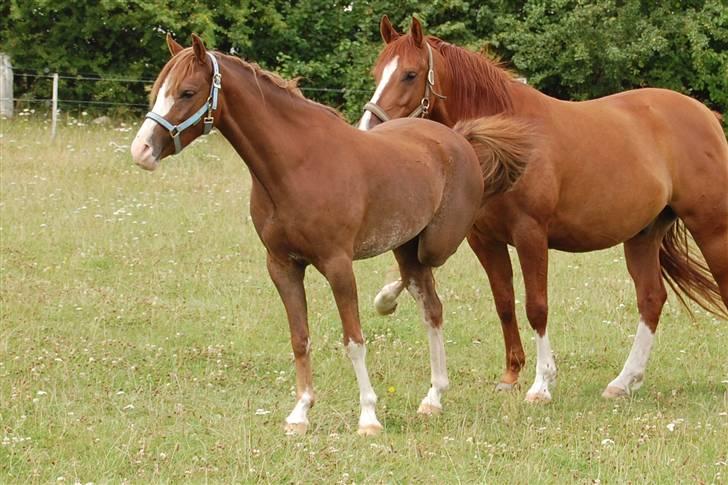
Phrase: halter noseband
(423, 108)
(209, 106)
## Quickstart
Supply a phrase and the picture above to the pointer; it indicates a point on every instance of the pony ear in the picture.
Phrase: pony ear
(173, 45)
(199, 48)
(416, 32)
(389, 33)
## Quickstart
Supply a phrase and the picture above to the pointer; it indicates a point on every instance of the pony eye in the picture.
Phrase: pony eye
(410, 75)
(187, 94)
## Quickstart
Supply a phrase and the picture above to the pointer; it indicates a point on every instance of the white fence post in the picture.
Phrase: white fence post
(6, 86)
(54, 115)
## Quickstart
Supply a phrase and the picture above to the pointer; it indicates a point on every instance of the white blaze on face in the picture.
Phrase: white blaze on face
(389, 70)
(141, 150)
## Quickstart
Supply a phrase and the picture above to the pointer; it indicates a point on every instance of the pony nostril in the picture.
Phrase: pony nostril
(140, 150)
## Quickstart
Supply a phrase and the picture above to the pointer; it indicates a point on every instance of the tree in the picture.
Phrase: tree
(572, 49)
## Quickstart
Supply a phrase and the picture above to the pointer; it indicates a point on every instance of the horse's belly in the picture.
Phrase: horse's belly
(575, 240)
(593, 228)
(389, 235)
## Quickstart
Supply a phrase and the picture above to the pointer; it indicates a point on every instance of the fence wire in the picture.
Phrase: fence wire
(27, 73)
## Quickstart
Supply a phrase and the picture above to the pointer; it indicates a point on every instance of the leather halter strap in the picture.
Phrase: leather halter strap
(209, 107)
(423, 109)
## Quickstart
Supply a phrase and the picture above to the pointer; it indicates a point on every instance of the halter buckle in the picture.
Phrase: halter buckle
(207, 122)
(217, 80)
(431, 77)
(425, 104)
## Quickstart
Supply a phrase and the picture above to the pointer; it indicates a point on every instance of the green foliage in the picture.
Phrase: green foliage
(572, 49)
(575, 49)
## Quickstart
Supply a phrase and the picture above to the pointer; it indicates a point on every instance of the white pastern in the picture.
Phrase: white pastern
(367, 398)
(386, 300)
(438, 369)
(389, 70)
(141, 146)
(633, 372)
(438, 364)
(545, 371)
(299, 415)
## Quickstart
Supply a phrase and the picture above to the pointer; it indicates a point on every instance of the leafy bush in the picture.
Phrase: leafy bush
(572, 49)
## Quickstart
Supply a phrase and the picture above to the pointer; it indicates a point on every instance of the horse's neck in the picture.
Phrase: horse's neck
(489, 94)
(268, 126)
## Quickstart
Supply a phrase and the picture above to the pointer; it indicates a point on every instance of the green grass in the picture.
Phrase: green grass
(142, 341)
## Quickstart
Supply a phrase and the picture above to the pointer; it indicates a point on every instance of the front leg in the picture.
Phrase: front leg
(496, 261)
(340, 274)
(288, 276)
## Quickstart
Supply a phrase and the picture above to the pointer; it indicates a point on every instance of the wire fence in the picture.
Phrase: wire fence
(30, 74)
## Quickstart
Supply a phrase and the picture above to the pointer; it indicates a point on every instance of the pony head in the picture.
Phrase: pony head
(408, 73)
(184, 104)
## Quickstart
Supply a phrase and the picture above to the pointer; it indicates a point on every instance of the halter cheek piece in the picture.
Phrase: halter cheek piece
(209, 106)
(423, 109)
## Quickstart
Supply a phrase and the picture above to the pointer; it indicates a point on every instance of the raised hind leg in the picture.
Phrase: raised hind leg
(421, 285)
(288, 279)
(340, 275)
(494, 257)
(642, 254)
(386, 300)
(532, 245)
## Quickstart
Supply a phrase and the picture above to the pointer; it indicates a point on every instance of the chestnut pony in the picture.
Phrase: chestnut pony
(636, 168)
(325, 193)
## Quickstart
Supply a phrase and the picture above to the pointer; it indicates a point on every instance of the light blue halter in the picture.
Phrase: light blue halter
(209, 106)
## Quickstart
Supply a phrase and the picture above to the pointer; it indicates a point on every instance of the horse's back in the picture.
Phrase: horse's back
(630, 154)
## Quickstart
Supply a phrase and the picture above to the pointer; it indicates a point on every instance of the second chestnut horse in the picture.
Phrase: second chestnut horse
(637, 168)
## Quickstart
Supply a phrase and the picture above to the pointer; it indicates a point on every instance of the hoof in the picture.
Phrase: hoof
(383, 309)
(385, 304)
(386, 300)
(370, 430)
(538, 398)
(612, 392)
(506, 387)
(295, 429)
(426, 409)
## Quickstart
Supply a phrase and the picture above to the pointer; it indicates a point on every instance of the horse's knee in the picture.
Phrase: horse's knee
(300, 345)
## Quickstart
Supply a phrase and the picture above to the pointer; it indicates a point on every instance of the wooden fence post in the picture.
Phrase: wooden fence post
(54, 106)
(6, 86)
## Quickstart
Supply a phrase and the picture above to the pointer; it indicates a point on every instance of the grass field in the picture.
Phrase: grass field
(142, 341)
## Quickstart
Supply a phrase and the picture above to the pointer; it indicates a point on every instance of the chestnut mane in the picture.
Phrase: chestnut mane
(480, 84)
(186, 63)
